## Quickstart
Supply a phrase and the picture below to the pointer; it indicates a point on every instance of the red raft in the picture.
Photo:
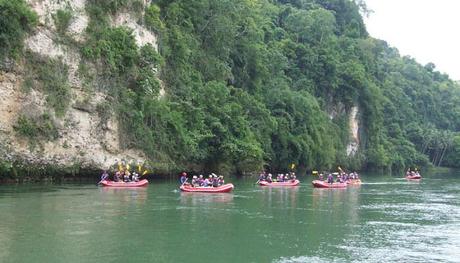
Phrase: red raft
(290, 183)
(354, 182)
(140, 183)
(220, 189)
(324, 184)
(414, 177)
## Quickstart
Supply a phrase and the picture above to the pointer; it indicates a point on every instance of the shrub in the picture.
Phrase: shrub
(150, 57)
(36, 128)
(115, 47)
(16, 19)
(152, 19)
(52, 76)
(62, 19)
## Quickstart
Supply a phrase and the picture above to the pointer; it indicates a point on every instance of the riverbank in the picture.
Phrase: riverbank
(21, 172)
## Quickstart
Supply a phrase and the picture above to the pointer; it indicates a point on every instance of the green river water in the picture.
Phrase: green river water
(387, 219)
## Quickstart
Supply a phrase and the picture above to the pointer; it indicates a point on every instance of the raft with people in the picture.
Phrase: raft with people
(110, 183)
(413, 175)
(207, 189)
(212, 184)
(289, 179)
(288, 183)
(126, 176)
(342, 180)
(324, 184)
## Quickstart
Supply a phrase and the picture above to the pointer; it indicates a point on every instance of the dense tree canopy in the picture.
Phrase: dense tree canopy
(263, 82)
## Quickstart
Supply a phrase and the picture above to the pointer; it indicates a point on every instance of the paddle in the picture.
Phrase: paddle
(186, 179)
(104, 177)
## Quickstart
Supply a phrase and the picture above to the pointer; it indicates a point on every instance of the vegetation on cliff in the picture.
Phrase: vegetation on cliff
(254, 82)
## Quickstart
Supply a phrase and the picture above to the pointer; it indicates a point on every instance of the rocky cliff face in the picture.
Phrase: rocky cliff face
(83, 137)
(338, 109)
(353, 146)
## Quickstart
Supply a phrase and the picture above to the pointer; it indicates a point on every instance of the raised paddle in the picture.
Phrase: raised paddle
(186, 179)
(102, 179)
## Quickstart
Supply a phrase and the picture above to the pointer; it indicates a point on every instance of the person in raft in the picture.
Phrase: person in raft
(261, 177)
(356, 175)
(293, 177)
(269, 178)
(183, 178)
(215, 180)
(330, 179)
(200, 180)
(321, 177)
(126, 176)
(135, 177)
(104, 175)
(339, 179)
(221, 180)
(206, 182)
(280, 178)
(195, 181)
(117, 176)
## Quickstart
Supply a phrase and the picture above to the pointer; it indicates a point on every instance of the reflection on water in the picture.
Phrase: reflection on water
(386, 219)
(287, 196)
(197, 199)
(127, 195)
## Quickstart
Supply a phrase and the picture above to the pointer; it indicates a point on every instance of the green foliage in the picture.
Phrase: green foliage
(52, 77)
(108, 7)
(5, 168)
(62, 19)
(36, 128)
(270, 83)
(152, 18)
(16, 19)
(115, 48)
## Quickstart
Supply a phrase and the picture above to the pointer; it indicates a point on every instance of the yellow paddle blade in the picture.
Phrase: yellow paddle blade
(145, 172)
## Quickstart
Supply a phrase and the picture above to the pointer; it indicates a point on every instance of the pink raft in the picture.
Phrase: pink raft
(324, 184)
(290, 183)
(354, 182)
(140, 183)
(414, 177)
(220, 189)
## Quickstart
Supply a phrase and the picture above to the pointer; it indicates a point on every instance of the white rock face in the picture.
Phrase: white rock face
(353, 146)
(46, 8)
(143, 36)
(82, 139)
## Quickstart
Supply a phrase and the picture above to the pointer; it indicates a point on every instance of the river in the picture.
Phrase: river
(387, 219)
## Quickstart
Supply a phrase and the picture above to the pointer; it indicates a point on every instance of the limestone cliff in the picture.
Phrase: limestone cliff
(353, 146)
(83, 137)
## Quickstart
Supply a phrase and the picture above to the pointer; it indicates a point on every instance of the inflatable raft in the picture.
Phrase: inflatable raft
(290, 183)
(220, 189)
(324, 184)
(140, 183)
(354, 182)
(414, 177)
